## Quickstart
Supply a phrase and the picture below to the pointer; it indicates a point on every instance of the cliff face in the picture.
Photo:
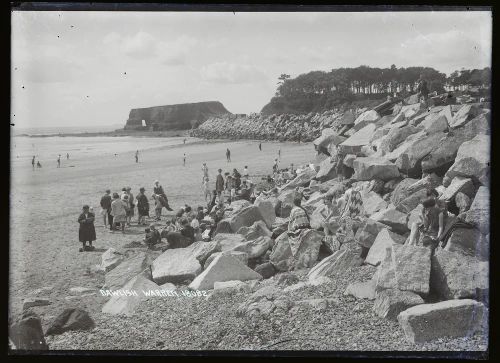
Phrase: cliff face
(175, 117)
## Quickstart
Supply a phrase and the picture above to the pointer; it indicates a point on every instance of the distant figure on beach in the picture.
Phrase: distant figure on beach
(204, 169)
(59, 161)
(106, 209)
(184, 141)
(142, 207)
(275, 166)
(206, 190)
(245, 173)
(38, 165)
(86, 233)
(137, 156)
(279, 153)
(184, 160)
(219, 184)
(260, 146)
(33, 162)
(228, 155)
(118, 212)
(299, 138)
(67, 156)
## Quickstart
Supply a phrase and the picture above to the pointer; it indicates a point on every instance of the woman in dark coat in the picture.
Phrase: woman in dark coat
(86, 232)
(142, 206)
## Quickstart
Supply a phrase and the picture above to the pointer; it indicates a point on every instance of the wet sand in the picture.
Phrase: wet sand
(45, 205)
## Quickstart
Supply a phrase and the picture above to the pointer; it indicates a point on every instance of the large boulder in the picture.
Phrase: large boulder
(223, 268)
(479, 211)
(245, 217)
(366, 118)
(456, 276)
(256, 230)
(393, 218)
(368, 168)
(368, 231)
(125, 304)
(372, 202)
(236, 207)
(473, 160)
(242, 256)
(412, 201)
(465, 114)
(266, 270)
(385, 239)
(359, 139)
(266, 209)
(415, 216)
(469, 241)
(327, 170)
(224, 226)
(411, 157)
(180, 264)
(337, 264)
(110, 259)
(395, 136)
(458, 184)
(307, 254)
(26, 332)
(228, 241)
(401, 190)
(70, 319)
(389, 303)
(452, 318)
(445, 152)
(256, 247)
(300, 180)
(126, 270)
(412, 268)
(435, 122)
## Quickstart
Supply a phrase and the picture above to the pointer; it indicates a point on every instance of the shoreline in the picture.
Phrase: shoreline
(116, 133)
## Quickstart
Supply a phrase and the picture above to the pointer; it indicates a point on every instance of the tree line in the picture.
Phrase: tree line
(320, 90)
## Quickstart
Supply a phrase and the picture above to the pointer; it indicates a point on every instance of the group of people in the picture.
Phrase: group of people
(39, 165)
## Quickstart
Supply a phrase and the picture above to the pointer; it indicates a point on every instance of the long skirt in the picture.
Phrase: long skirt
(86, 232)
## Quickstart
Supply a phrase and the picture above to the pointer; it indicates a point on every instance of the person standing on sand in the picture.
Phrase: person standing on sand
(206, 190)
(184, 141)
(142, 207)
(228, 155)
(106, 209)
(245, 173)
(279, 153)
(219, 184)
(184, 160)
(137, 156)
(130, 213)
(67, 156)
(118, 212)
(158, 189)
(33, 162)
(204, 168)
(86, 233)
(59, 161)
(260, 146)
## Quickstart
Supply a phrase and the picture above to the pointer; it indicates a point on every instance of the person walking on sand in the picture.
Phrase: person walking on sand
(106, 209)
(67, 156)
(59, 161)
(137, 156)
(118, 212)
(184, 141)
(33, 162)
(142, 207)
(86, 233)
(219, 184)
(228, 155)
(260, 146)
(184, 160)
(279, 153)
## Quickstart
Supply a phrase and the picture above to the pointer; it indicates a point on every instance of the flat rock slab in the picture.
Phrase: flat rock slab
(451, 318)
(458, 184)
(337, 264)
(385, 276)
(393, 218)
(457, 276)
(385, 239)
(368, 232)
(242, 256)
(412, 267)
(126, 270)
(479, 211)
(389, 303)
(110, 259)
(180, 264)
(228, 241)
(368, 168)
(71, 319)
(35, 301)
(361, 290)
(126, 304)
(255, 248)
(223, 268)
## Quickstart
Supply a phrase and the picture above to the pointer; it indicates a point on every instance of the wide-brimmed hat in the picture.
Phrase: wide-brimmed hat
(142, 189)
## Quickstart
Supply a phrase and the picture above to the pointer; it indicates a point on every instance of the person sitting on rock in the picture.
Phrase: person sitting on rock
(245, 192)
(430, 229)
(152, 236)
(299, 221)
(169, 227)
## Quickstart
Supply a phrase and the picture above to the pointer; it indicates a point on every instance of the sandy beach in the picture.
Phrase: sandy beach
(45, 205)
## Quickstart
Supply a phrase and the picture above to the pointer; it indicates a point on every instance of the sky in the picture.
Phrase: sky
(91, 68)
